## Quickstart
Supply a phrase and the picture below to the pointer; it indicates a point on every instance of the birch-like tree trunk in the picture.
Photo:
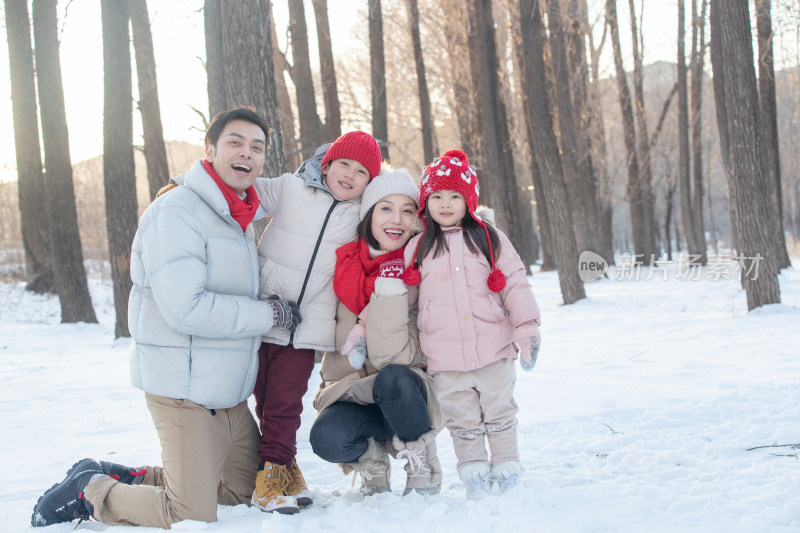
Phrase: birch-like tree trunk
(330, 93)
(380, 120)
(310, 124)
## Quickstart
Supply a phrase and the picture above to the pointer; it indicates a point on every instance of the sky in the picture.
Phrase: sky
(177, 28)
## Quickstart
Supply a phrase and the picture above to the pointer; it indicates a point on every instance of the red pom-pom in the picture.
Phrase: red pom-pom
(411, 276)
(496, 281)
(455, 153)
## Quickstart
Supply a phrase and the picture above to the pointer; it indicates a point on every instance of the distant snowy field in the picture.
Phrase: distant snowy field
(637, 418)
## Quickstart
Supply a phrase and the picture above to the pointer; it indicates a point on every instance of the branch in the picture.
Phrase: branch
(792, 446)
(202, 116)
(613, 431)
(664, 110)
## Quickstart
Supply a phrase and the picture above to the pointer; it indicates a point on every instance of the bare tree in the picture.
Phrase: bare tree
(422, 84)
(565, 250)
(330, 93)
(769, 126)
(290, 150)
(118, 166)
(733, 63)
(62, 224)
(38, 272)
(155, 152)
(215, 71)
(696, 120)
(310, 124)
(637, 197)
(684, 164)
(380, 123)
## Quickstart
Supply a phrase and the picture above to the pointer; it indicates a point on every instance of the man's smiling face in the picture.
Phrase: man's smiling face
(238, 155)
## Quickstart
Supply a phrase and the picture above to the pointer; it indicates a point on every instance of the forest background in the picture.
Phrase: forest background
(470, 98)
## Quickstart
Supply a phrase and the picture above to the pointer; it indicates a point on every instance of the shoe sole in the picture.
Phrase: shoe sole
(279, 510)
(52, 490)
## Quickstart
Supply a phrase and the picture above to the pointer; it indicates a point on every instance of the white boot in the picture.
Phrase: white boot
(374, 468)
(476, 479)
(423, 470)
(506, 476)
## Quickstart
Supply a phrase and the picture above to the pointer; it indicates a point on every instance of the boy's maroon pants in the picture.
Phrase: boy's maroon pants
(283, 373)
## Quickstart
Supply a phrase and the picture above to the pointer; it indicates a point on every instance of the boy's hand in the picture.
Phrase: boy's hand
(285, 314)
(528, 352)
(355, 346)
(393, 268)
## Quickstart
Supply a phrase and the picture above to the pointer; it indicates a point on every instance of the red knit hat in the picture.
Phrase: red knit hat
(452, 172)
(358, 146)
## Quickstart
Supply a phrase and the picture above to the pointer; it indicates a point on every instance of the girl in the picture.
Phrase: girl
(476, 313)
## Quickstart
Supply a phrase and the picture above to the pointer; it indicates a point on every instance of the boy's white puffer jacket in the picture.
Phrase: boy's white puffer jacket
(297, 252)
(193, 314)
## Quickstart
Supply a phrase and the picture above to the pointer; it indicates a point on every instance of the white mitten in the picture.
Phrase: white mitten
(355, 346)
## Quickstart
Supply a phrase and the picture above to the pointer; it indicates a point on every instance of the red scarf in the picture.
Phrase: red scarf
(355, 274)
(242, 211)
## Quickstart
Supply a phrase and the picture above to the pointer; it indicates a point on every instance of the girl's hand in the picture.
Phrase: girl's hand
(355, 346)
(528, 352)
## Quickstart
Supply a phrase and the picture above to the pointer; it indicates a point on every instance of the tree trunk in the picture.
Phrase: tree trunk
(380, 123)
(696, 119)
(65, 239)
(643, 143)
(291, 151)
(579, 188)
(565, 250)
(639, 213)
(684, 172)
(769, 127)
(330, 92)
(731, 37)
(118, 168)
(424, 98)
(155, 152)
(310, 124)
(215, 70)
(30, 187)
(512, 210)
(247, 41)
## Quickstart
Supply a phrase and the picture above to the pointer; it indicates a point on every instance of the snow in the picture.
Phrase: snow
(637, 417)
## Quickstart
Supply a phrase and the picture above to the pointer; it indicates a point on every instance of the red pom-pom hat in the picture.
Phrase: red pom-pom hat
(452, 172)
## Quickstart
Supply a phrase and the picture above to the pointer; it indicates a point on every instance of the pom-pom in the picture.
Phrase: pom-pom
(496, 281)
(455, 153)
(412, 277)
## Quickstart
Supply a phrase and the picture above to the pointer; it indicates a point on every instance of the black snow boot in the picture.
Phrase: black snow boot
(64, 502)
(123, 474)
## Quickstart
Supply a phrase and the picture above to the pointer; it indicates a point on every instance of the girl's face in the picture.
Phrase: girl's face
(392, 221)
(446, 208)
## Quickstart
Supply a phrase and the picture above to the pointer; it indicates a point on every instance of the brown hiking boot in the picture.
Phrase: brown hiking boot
(269, 495)
(297, 486)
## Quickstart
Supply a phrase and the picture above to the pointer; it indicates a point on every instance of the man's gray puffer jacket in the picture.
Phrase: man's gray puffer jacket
(193, 314)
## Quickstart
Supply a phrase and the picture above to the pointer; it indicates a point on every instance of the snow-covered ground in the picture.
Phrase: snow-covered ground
(638, 417)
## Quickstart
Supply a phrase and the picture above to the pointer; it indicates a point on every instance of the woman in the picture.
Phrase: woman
(387, 405)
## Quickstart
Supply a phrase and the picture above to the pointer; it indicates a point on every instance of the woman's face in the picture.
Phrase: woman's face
(392, 221)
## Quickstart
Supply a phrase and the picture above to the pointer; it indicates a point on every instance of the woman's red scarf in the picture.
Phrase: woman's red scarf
(242, 211)
(355, 274)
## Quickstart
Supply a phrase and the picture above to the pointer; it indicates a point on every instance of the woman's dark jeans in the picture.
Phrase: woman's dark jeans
(340, 433)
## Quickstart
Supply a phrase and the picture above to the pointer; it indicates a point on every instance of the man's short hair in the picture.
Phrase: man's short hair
(248, 114)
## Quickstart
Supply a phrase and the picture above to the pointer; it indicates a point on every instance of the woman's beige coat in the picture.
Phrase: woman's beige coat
(392, 338)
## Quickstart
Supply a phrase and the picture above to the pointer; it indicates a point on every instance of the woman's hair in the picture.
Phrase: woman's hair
(474, 235)
(365, 230)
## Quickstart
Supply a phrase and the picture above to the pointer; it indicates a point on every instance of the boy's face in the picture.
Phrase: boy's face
(345, 178)
(238, 156)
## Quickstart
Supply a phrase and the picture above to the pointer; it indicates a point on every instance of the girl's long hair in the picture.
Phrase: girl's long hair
(433, 241)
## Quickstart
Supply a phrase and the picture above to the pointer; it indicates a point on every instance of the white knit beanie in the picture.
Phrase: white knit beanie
(390, 181)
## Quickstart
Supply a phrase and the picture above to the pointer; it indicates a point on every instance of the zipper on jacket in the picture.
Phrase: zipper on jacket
(314, 257)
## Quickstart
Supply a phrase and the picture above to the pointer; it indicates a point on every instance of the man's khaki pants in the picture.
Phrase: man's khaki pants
(209, 458)
(480, 407)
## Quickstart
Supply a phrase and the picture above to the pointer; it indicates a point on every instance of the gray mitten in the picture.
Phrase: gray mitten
(285, 314)
(529, 351)
(355, 346)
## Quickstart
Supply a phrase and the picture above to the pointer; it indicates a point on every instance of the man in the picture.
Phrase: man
(196, 327)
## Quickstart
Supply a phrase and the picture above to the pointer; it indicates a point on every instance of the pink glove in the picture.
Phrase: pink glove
(355, 346)
(528, 352)
(393, 268)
